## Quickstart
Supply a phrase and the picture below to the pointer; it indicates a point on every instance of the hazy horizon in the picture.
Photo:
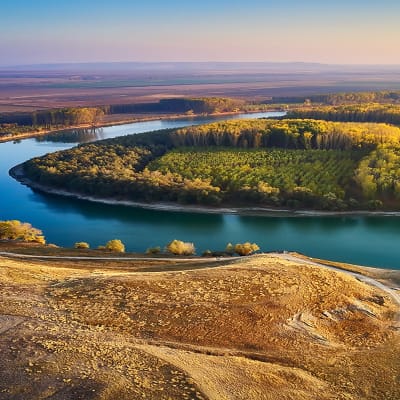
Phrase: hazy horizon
(181, 62)
(351, 32)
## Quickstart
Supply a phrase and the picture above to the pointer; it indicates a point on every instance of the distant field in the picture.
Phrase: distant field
(30, 88)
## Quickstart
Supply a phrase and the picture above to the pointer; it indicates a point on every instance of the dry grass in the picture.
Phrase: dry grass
(260, 328)
(387, 276)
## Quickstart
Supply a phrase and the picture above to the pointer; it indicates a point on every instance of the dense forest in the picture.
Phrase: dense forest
(368, 112)
(56, 117)
(203, 105)
(384, 96)
(291, 163)
(14, 123)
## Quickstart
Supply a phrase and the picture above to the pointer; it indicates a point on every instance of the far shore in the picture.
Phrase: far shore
(141, 118)
(18, 174)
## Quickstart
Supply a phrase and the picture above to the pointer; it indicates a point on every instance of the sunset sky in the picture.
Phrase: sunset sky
(338, 32)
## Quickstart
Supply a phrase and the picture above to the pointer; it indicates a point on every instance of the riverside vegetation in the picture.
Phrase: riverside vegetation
(367, 112)
(23, 232)
(296, 163)
(17, 123)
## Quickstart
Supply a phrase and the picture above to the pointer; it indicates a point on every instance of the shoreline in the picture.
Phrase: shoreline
(16, 172)
(28, 135)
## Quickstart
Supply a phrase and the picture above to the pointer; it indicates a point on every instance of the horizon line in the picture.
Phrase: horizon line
(71, 63)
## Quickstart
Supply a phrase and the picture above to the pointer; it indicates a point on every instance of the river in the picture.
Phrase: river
(364, 240)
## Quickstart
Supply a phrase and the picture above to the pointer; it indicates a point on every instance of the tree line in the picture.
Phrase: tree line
(16, 123)
(55, 118)
(369, 112)
(188, 105)
(383, 96)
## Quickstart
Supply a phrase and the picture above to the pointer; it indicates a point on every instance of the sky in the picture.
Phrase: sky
(324, 31)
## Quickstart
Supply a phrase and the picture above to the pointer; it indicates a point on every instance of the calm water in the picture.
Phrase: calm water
(371, 241)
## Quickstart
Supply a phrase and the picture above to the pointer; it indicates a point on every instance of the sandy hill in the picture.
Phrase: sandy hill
(263, 327)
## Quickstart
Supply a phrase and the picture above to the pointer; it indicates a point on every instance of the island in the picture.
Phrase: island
(273, 163)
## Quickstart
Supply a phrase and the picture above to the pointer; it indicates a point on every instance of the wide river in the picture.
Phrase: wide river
(371, 240)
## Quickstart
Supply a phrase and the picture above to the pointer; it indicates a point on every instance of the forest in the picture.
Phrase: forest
(384, 96)
(57, 118)
(368, 112)
(291, 163)
(201, 105)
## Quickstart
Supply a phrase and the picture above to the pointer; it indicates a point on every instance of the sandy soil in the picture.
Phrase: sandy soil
(257, 328)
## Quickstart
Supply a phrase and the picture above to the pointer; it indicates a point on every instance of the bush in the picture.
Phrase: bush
(178, 247)
(17, 230)
(374, 205)
(230, 249)
(101, 247)
(207, 253)
(115, 245)
(81, 245)
(244, 249)
(153, 250)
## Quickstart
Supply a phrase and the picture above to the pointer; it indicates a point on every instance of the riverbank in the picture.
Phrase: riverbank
(50, 252)
(18, 174)
(122, 121)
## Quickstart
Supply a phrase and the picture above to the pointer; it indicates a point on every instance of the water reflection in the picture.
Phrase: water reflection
(386, 224)
(73, 136)
(91, 210)
(304, 224)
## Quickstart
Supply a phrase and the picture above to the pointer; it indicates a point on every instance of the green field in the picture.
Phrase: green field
(321, 171)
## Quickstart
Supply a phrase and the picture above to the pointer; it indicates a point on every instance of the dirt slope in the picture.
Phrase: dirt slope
(260, 328)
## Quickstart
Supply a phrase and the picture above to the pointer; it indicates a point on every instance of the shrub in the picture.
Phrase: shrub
(230, 248)
(207, 253)
(153, 250)
(101, 247)
(81, 245)
(244, 249)
(17, 230)
(115, 245)
(178, 247)
(374, 205)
